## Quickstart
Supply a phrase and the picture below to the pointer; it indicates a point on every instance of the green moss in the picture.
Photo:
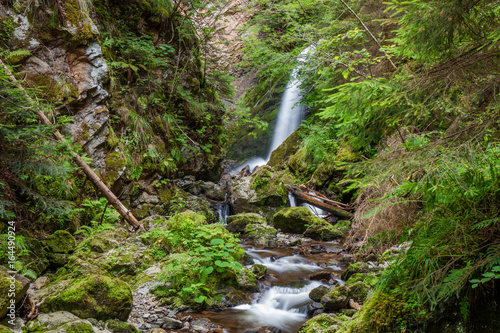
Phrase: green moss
(238, 222)
(61, 241)
(343, 225)
(78, 327)
(323, 323)
(5, 283)
(359, 291)
(346, 154)
(115, 163)
(323, 231)
(116, 326)
(50, 89)
(79, 18)
(104, 298)
(295, 219)
(356, 277)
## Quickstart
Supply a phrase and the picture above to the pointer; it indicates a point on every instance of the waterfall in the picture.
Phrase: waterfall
(290, 115)
(291, 112)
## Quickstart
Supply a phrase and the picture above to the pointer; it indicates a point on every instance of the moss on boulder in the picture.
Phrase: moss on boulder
(116, 326)
(343, 225)
(336, 299)
(21, 285)
(359, 291)
(295, 219)
(61, 241)
(323, 323)
(317, 293)
(259, 271)
(323, 231)
(238, 222)
(4, 329)
(92, 296)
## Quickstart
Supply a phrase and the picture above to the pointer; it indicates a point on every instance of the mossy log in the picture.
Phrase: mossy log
(105, 191)
(299, 194)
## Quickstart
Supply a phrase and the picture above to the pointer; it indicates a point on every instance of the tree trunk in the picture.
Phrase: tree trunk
(94, 178)
(318, 203)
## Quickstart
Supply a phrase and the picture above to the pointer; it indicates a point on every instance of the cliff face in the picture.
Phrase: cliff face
(132, 77)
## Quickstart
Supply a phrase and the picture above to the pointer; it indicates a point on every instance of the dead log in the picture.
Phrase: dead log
(94, 178)
(318, 203)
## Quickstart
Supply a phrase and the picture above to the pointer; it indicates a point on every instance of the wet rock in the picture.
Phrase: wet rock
(105, 297)
(322, 275)
(336, 299)
(259, 271)
(203, 325)
(317, 293)
(247, 280)
(8, 281)
(171, 323)
(295, 219)
(238, 222)
(314, 309)
(157, 330)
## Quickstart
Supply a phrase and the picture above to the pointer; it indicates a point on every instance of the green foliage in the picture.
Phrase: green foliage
(201, 257)
(35, 172)
(102, 217)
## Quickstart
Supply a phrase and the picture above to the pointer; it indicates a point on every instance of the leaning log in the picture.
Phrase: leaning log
(94, 178)
(318, 203)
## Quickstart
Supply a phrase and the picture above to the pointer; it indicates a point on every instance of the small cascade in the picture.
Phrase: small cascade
(291, 200)
(223, 211)
(284, 298)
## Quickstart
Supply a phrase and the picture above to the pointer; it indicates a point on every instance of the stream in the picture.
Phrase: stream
(283, 299)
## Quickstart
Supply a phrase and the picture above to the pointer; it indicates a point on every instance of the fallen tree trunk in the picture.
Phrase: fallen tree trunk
(318, 203)
(94, 178)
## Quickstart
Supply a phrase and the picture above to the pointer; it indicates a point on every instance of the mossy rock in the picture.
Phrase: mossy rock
(256, 231)
(343, 225)
(295, 219)
(371, 280)
(280, 156)
(317, 293)
(116, 326)
(60, 321)
(37, 258)
(58, 259)
(93, 296)
(259, 271)
(356, 277)
(323, 232)
(357, 267)
(247, 280)
(21, 285)
(238, 222)
(323, 323)
(103, 241)
(359, 291)
(61, 241)
(336, 299)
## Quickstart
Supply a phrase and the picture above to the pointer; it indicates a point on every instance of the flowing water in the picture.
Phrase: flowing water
(291, 114)
(284, 296)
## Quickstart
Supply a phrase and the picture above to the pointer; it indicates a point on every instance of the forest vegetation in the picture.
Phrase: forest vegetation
(402, 124)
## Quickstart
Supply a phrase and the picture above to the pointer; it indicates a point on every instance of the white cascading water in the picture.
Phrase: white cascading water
(291, 112)
(281, 307)
(290, 115)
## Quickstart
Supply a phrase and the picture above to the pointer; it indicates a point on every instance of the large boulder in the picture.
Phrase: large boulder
(336, 299)
(238, 222)
(263, 192)
(91, 296)
(10, 282)
(323, 323)
(60, 321)
(295, 219)
(61, 243)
